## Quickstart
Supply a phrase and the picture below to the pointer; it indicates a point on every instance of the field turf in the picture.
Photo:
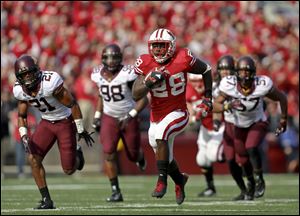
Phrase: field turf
(85, 195)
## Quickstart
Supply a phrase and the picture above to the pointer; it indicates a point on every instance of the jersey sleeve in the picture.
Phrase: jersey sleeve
(227, 84)
(55, 81)
(18, 92)
(186, 57)
(141, 66)
(95, 75)
(265, 84)
(130, 72)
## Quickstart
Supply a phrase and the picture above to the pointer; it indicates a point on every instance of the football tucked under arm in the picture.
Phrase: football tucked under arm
(153, 79)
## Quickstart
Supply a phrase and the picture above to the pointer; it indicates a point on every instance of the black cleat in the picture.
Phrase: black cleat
(79, 154)
(45, 204)
(241, 196)
(250, 191)
(142, 164)
(179, 190)
(260, 187)
(208, 192)
(115, 197)
(160, 190)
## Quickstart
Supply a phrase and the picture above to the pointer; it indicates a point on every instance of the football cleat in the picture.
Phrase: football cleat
(115, 197)
(142, 164)
(179, 190)
(45, 204)
(210, 191)
(79, 154)
(250, 191)
(241, 196)
(259, 188)
(160, 190)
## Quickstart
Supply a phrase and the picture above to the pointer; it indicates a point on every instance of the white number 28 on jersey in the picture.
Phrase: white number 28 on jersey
(176, 82)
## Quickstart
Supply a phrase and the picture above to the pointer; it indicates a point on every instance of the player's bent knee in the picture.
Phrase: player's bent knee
(201, 160)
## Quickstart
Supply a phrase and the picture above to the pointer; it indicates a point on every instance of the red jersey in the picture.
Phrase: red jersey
(193, 96)
(170, 95)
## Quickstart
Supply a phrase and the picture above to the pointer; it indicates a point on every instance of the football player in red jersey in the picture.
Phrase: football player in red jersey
(245, 93)
(61, 116)
(116, 115)
(210, 148)
(163, 74)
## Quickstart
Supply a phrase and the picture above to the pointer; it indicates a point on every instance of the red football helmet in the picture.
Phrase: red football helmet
(162, 45)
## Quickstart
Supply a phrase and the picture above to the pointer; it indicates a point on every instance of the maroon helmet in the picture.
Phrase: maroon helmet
(112, 57)
(247, 64)
(27, 72)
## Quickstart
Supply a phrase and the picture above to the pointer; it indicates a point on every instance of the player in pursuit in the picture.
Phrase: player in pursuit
(244, 94)
(44, 90)
(116, 114)
(163, 74)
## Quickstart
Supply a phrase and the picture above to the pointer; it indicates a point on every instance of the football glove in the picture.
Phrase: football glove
(234, 104)
(96, 124)
(87, 138)
(204, 108)
(25, 142)
(281, 128)
(216, 124)
(153, 79)
(124, 121)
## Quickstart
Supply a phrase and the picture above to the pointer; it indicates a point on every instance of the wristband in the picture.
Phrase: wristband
(97, 114)
(79, 125)
(22, 131)
(133, 113)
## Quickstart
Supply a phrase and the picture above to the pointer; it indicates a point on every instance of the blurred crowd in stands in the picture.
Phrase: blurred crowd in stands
(68, 37)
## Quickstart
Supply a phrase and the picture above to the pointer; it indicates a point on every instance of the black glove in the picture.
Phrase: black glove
(96, 124)
(25, 142)
(153, 79)
(87, 138)
(216, 124)
(281, 128)
(124, 121)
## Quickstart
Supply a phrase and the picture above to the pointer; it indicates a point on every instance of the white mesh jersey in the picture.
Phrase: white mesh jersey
(228, 116)
(51, 109)
(252, 105)
(117, 96)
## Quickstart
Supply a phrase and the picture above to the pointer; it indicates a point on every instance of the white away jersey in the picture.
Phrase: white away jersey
(228, 116)
(252, 105)
(117, 96)
(51, 109)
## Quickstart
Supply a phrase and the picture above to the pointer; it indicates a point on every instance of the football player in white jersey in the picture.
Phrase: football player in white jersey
(116, 114)
(245, 93)
(61, 116)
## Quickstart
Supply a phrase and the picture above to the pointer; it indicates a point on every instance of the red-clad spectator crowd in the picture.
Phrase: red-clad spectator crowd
(68, 36)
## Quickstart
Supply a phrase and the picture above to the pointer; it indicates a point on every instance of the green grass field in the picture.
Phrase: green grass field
(85, 195)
